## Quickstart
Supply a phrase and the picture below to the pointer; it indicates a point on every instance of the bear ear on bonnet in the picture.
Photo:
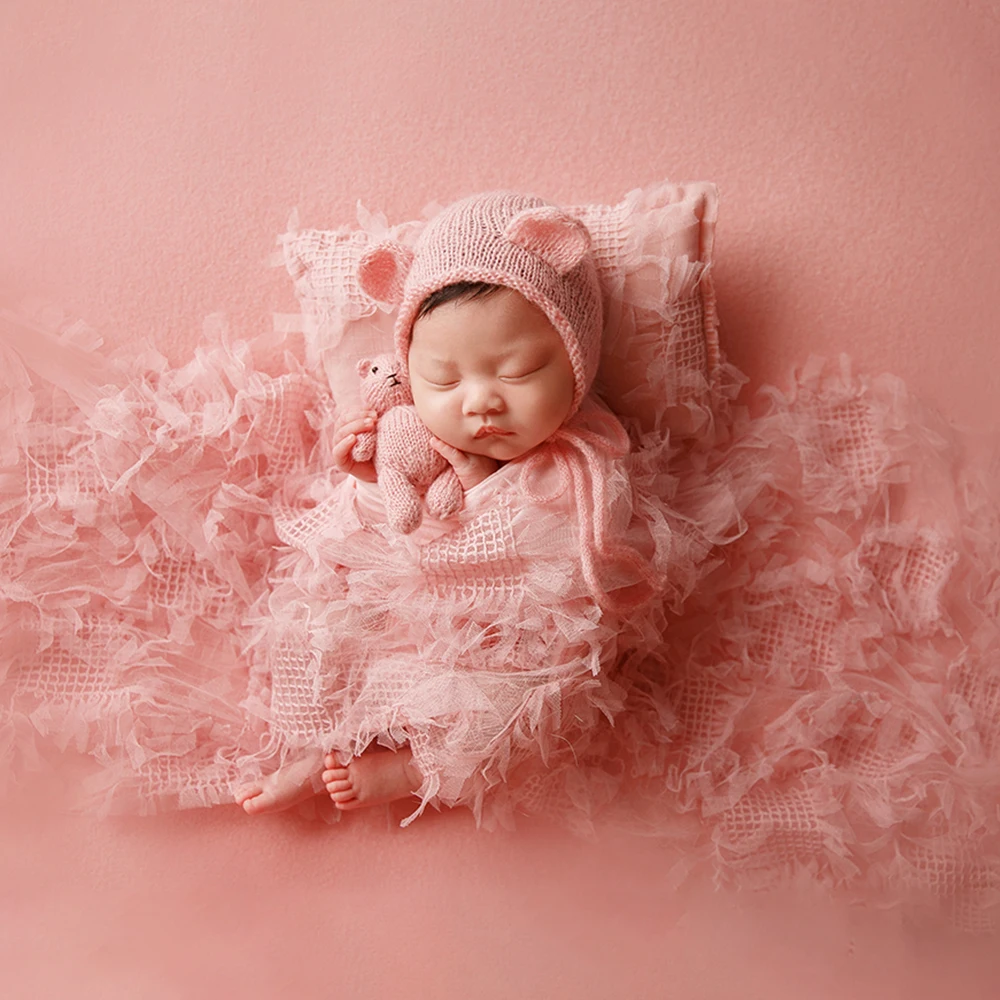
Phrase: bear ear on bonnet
(549, 233)
(382, 271)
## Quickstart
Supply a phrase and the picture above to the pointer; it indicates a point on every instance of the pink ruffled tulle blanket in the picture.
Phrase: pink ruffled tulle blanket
(191, 598)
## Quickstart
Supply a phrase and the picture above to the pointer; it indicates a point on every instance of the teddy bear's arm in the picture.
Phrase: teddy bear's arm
(364, 447)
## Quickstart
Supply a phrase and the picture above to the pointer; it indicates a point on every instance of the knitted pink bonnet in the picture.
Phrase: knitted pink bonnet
(514, 240)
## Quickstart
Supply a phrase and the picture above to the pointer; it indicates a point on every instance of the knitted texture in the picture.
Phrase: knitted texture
(514, 240)
(410, 472)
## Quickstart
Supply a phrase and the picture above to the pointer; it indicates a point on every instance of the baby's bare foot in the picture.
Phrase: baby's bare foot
(374, 778)
(285, 788)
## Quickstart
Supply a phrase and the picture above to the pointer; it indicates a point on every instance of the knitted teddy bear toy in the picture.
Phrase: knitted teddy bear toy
(410, 472)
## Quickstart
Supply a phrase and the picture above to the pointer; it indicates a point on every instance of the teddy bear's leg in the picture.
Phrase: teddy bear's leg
(445, 495)
(403, 508)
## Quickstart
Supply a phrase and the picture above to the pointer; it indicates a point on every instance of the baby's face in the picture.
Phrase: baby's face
(490, 376)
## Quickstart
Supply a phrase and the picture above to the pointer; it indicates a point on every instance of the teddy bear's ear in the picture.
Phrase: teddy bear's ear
(383, 269)
(559, 239)
(363, 365)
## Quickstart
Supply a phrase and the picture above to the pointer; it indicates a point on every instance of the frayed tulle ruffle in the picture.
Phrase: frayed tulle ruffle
(190, 598)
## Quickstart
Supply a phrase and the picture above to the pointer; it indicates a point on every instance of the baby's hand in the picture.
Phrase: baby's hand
(470, 469)
(346, 437)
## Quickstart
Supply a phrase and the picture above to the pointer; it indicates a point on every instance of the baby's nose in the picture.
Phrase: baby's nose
(482, 397)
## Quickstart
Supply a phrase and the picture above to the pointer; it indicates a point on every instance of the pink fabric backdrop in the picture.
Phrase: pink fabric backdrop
(151, 152)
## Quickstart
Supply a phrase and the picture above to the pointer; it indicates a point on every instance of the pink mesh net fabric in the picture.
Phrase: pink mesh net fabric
(813, 691)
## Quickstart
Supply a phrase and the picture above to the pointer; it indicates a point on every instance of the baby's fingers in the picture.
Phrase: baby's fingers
(342, 448)
(355, 426)
(451, 454)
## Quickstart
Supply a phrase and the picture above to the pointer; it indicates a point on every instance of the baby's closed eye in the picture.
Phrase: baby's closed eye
(516, 376)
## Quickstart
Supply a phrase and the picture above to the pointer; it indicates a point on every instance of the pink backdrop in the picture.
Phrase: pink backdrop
(152, 151)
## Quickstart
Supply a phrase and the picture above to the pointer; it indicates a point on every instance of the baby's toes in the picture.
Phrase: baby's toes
(251, 798)
(260, 802)
(337, 780)
(246, 792)
(343, 796)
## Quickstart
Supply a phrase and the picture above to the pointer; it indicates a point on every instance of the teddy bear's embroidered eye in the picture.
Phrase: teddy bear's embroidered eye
(375, 370)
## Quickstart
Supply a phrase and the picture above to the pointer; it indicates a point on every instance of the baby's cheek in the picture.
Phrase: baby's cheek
(423, 406)
(434, 415)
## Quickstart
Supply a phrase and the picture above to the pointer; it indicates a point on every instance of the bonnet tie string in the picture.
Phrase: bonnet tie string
(578, 457)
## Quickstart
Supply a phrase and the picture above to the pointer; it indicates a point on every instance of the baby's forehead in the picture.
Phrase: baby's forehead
(453, 348)
(505, 321)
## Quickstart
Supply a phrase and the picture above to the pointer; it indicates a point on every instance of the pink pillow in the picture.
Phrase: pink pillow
(660, 359)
